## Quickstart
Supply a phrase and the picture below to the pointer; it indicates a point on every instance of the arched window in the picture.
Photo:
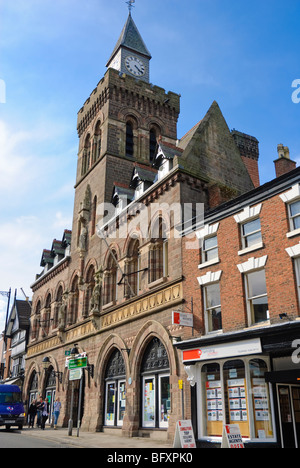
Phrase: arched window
(74, 305)
(36, 322)
(46, 317)
(58, 302)
(94, 215)
(155, 377)
(97, 143)
(111, 280)
(90, 284)
(132, 267)
(152, 144)
(129, 139)
(115, 390)
(158, 251)
(86, 155)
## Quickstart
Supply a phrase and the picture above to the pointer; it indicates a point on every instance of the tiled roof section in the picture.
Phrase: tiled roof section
(66, 240)
(167, 151)
(47, 257)
(24, 312)
(144, 174)
(57, 248)
(122, 190)
(130, 38)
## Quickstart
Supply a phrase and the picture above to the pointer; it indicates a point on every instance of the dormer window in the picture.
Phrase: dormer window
(139, 190)
(164, 168)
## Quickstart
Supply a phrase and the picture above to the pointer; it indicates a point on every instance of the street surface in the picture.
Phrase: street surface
(18, 439)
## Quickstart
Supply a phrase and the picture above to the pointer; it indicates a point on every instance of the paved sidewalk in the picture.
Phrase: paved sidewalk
(94, 439)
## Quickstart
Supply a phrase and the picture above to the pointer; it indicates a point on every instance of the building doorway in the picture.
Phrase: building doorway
(115, 390)
(289, 414)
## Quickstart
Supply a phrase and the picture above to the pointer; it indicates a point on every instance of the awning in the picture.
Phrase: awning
(288, 376)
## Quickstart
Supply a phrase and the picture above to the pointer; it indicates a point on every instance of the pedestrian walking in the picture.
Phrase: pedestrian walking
(39, 407)
(56, 411)
(32, 412)
(45, 413)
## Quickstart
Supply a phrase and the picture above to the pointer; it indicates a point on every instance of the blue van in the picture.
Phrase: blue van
(11, 407)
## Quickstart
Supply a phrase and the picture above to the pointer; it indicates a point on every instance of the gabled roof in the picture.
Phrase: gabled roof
(20, 312)
(142, 174)
(166, 151)
(131, 39)
(122, 191)
(47, 257)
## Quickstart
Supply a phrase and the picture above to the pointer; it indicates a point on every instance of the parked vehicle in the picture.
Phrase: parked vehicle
(12, 411)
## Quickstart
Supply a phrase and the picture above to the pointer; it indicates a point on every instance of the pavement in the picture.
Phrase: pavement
(94, 439)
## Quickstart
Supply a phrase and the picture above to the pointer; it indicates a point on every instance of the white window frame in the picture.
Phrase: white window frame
(208, 310)
(288, 198)
(162, 424)
(247, 215)
(250, 314)
(149, 424)
(201, 397)
(108, 422)
(203, 234)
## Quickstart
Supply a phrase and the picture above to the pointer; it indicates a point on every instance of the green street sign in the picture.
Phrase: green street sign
(77, 363)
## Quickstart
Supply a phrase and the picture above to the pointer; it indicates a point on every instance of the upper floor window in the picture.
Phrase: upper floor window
(152, 144)
(210, 249)
(129, 139)
(251, 233)
(212, 304)
(86, 155)
(294, 215)
(249, 221)
(257, 298)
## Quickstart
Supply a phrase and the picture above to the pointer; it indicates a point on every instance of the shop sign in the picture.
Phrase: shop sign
(180, 318)
(77, 363)
(232, 437)
(75, 374)
(226, 350)
(184, 435)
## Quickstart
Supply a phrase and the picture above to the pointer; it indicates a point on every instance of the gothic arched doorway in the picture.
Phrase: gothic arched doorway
(155, 380)
(115, 390)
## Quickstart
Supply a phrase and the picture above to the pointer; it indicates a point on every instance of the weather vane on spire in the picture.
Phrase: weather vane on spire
(130, 5)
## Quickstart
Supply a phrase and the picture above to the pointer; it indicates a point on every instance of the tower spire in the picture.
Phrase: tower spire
(130, 5)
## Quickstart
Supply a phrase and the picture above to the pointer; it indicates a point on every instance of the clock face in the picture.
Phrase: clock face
(135, 66)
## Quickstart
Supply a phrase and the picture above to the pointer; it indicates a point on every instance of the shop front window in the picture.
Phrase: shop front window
(213, 400)
(115, 390)
(156, 396)
(237, 408)
(261, 400)
(235, 392)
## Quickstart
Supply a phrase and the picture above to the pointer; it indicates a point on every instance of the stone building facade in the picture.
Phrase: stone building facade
(110, 285)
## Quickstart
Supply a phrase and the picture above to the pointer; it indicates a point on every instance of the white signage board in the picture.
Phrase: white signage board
(238, 348)
(232, 437)
(180, 318)
(184, 435)
(75, 374)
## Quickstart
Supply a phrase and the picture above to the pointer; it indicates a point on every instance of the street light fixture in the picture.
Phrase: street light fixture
(46, 364)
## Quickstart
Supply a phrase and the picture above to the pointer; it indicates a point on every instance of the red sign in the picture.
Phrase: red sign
(192, 355)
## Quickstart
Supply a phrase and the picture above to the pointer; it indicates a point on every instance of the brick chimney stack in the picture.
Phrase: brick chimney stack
(283, 164)
(249, 151)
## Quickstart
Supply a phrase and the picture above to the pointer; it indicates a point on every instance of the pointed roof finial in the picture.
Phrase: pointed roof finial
(130, 5)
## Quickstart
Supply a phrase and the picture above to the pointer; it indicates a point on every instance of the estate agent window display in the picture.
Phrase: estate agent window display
(234, 391)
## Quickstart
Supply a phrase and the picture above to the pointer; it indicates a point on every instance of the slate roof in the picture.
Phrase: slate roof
(131, 39)
(166, 151)
(144, 174)
(122, 191)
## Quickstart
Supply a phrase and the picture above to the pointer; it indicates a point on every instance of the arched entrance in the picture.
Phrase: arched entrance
(155, 380)
(50, 391)
(33, 388)
(115, 390)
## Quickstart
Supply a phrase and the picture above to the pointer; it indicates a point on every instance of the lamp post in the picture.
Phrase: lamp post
(74, 352)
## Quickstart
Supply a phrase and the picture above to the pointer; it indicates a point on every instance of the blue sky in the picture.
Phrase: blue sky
(243, 54)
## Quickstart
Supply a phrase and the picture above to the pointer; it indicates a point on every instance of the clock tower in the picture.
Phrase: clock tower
(130, 55)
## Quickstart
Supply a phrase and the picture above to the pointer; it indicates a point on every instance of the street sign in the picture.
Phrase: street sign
(75, 374)
(77, 363)
(180, 318)
(232, 437)
(184, 435)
